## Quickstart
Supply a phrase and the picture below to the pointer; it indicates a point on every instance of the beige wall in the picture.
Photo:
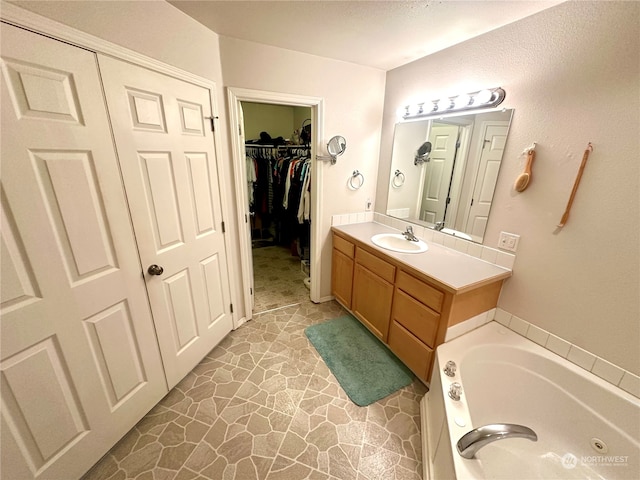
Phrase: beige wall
(276, 120)
(352, 108)
(572, 74)
(300, 114)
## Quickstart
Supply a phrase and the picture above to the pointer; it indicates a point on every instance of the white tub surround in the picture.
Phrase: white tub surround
(586, 427)
(604, 369)
(409, 300)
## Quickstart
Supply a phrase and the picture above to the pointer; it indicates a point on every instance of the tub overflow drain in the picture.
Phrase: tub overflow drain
(598, 445)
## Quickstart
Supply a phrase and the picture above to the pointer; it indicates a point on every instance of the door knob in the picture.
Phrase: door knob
(155, 270)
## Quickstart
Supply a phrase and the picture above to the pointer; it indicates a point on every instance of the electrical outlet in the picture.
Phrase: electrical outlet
(508, 241)
(367, 205)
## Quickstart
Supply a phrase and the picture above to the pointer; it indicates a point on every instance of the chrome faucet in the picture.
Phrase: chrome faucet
(477, 438)
(439, 226)
(409, 235)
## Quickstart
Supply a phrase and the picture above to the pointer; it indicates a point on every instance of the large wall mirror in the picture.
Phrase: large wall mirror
(444, 171)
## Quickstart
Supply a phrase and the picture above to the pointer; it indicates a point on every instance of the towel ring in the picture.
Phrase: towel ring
(355, 175)
(398, 179)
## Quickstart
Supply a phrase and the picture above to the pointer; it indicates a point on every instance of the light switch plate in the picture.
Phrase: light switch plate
(508, 241)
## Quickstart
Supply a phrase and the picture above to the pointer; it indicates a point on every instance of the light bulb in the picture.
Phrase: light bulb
(443, 104)
(482, 97)
(462, 101)
(414, 109)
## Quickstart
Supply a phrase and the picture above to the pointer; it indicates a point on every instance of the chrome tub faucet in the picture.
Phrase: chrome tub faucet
(477, 438)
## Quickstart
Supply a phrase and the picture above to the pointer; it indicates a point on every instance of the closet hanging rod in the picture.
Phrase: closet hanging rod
(252, 145)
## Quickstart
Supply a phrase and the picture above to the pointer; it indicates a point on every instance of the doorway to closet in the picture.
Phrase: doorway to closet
(278, 171)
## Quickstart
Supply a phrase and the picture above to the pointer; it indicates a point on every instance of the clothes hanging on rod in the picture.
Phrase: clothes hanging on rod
(279, 180)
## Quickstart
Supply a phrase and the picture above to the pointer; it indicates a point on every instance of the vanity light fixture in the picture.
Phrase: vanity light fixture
(467, 101)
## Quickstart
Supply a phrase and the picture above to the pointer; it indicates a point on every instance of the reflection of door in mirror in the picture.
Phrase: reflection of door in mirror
(476, 214)
(438, 172)
(456, 184)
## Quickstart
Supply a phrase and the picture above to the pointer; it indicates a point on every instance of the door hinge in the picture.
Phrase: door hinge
(213, 123)
(224, 230)
(231, 307)
(246, 220)
(250, 291)
(448, 201)
(239, 129)
(472, 202)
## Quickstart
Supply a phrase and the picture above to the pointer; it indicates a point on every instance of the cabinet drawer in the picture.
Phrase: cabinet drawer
(376, 265)
(343, 245)
(415, 317)
(415, 354)
(420, 291)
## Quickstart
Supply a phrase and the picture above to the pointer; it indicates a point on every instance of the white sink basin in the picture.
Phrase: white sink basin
(397, 243)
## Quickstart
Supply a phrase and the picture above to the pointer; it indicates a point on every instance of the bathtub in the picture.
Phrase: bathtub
(586, 427)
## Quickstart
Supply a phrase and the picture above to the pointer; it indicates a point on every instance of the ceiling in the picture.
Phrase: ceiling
(379, 34)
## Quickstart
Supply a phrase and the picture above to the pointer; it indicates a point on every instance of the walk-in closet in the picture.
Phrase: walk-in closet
(278, 168)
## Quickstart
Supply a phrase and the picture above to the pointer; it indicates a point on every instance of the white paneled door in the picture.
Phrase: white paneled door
(80, 364)
(495, 138)
(166, 150)
(438, 172)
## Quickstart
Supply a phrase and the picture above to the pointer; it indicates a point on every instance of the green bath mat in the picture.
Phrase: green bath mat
(364, 367)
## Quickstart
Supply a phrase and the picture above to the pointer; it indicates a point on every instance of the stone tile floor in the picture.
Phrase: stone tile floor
(263, 405)
(278, 278)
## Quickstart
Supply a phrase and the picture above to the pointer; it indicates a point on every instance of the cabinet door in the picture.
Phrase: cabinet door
(342, 277)
(372, 298)
(80, 364)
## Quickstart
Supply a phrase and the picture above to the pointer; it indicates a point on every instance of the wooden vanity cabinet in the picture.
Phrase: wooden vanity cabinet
(407, 310)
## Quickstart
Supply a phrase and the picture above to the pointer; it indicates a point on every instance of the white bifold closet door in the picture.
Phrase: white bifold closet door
(167, 156)
(80, 363)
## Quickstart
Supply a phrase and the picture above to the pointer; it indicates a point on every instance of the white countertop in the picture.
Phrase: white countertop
(451, 268)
